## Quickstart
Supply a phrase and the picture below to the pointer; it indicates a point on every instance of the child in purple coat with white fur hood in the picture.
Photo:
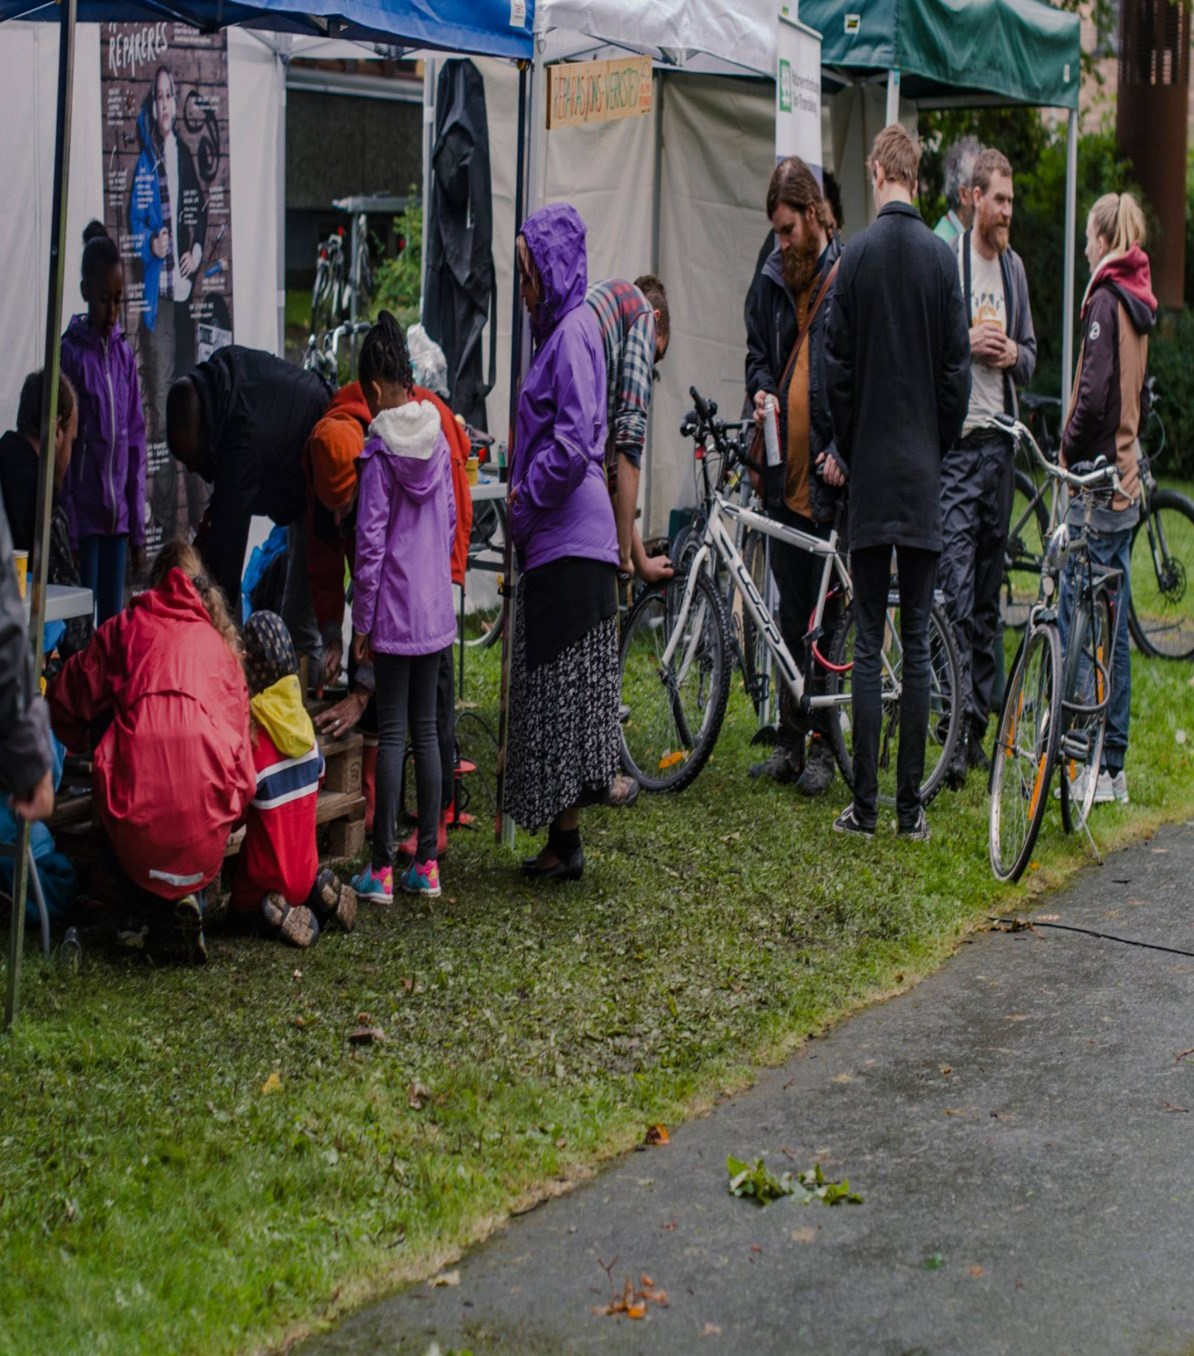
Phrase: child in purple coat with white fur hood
(402, 613)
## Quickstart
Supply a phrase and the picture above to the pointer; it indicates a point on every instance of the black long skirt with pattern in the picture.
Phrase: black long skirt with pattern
(564, 735)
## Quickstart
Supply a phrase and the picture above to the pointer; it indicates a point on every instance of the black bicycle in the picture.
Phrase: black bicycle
(1056, 701)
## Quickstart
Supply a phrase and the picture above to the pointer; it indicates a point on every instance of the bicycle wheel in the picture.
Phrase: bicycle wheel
(945, 706)
(486, 558)
(1087, 687)
(1161, 611)
(672, 713)
(1024, 754)
(758, 669)
(1028, 534)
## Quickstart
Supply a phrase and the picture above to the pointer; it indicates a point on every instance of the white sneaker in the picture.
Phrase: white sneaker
(1111, 788)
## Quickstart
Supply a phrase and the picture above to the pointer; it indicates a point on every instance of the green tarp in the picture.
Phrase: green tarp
(1019, 51)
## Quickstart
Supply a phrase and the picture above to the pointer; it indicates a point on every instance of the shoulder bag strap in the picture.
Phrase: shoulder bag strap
(790, 366)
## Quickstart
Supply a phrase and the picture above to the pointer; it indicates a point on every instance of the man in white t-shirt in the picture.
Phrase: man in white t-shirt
(977, 479)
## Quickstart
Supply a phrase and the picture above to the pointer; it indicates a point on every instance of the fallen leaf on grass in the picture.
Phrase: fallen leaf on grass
(298, 974)
(272, 1084)
(367, 1035)
(946, 1070)
(300, 1022)
(416, 1096)
(407, 983)
(447, 1278)
(363, 1019)
(976, 1271)
(657, 1134)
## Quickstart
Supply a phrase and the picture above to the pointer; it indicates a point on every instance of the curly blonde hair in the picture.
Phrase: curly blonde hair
(179, 554)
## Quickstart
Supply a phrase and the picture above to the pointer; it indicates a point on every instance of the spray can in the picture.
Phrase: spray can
(771, 429)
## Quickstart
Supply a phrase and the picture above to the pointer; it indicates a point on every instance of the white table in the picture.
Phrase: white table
(488, 487)
(63, 602)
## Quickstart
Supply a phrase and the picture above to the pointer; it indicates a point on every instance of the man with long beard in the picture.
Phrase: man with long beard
(787, 312)
(976, 477)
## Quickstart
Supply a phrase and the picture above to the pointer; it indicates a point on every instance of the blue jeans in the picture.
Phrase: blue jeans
(101, 568)
(1112, 550)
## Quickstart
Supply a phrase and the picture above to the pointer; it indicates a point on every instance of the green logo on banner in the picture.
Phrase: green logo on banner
(785, 86)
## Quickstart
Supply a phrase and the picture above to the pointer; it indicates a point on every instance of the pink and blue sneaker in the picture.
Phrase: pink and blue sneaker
(375, 886)
(421, 878)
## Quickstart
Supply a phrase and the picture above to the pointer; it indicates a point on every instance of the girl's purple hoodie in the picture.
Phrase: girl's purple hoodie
(561, 503)
(406, 521)
(104, 491)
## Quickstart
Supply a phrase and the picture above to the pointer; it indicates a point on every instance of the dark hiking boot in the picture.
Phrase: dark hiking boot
(783, 765)
(817, 776)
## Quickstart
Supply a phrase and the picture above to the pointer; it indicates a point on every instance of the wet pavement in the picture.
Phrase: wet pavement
(1021, 1125)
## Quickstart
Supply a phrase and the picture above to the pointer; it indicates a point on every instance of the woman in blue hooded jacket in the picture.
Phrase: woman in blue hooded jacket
(564, 736)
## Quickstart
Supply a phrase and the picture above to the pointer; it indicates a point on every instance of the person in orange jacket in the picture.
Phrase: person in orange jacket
(331, 456)
(173, 769)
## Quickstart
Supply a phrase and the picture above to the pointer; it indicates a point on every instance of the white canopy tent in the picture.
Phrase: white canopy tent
(693, 215)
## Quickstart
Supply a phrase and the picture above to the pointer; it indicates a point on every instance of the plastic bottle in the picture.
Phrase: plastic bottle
(771, 429)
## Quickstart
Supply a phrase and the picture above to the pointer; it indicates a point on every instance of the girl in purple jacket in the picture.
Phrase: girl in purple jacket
(402, 614)
(104, 491)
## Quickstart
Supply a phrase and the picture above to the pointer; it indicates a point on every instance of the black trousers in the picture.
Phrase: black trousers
(797, 576)
(445, 722)
(406, 688)
(870, 570)
(977, 486)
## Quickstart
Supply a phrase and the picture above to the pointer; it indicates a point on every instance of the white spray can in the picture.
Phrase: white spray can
(771, 429)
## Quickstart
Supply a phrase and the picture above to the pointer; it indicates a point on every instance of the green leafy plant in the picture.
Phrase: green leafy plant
(398, 280)
(756, 1182)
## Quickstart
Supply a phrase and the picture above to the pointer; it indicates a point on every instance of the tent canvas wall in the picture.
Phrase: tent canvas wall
(29, 52)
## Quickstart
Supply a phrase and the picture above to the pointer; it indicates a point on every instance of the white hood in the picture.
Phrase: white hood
(410, 430)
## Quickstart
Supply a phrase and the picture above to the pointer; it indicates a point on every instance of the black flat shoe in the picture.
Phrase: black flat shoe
(572, 869)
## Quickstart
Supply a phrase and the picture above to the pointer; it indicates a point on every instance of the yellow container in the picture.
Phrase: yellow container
(21, 559)
(471, 468)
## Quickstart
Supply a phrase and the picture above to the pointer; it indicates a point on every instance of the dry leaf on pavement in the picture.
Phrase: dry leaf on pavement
(657, 1134)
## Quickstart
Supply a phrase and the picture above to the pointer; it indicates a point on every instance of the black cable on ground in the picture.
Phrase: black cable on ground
(1024, 924)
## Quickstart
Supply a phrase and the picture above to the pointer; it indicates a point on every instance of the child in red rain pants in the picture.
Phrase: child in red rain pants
(278, 874)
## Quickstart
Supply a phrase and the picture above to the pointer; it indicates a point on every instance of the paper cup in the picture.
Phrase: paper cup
(22, 563)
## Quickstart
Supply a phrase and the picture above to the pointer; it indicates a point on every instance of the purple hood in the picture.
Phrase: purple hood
(406, 523)
(561, 505)
(104, 491)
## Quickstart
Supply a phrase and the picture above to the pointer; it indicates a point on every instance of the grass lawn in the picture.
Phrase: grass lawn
(199, 1161)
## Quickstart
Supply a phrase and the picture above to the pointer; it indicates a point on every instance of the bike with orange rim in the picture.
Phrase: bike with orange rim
(1025, 752)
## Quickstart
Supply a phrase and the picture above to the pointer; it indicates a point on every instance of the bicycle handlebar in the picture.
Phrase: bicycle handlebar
(1107, 474)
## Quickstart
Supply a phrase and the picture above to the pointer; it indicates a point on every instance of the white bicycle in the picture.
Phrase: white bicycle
(676, 656)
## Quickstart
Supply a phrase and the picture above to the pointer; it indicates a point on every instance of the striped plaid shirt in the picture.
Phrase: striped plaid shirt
(627, 323)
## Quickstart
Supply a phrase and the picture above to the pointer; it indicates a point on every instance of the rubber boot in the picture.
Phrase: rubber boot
(369, 780)
(409, 846)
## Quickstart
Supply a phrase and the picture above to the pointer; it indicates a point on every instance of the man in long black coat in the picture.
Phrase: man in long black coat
(898, 372)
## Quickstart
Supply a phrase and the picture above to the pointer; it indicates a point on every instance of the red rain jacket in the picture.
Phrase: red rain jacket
(174, 769)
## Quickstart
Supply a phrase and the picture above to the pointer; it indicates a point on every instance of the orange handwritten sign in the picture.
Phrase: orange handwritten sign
(583, 92)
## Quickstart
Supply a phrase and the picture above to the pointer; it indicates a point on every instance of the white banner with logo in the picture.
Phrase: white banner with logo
(798, 93)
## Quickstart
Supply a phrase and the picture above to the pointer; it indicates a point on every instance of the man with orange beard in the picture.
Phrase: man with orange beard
(977, 480)
(331, 456)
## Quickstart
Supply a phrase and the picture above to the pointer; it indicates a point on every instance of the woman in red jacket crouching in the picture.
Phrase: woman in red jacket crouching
(173, 766)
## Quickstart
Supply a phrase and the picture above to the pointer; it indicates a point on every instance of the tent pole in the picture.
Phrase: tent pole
(893, 95)
(656, 234)
(45, 463)
(519, 353)
(283, 62)
(429, 115)
(1071, 223)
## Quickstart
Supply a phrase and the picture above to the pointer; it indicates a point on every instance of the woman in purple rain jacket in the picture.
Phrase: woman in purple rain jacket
(564, 737)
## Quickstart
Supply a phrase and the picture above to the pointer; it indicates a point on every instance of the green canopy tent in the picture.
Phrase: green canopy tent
(963, 54)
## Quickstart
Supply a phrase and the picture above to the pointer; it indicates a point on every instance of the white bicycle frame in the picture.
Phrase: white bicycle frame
(716, 539)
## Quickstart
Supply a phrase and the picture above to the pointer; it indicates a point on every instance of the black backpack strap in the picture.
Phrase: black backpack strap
(966, 278)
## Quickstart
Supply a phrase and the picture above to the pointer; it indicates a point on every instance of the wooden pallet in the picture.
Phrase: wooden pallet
(339, 816)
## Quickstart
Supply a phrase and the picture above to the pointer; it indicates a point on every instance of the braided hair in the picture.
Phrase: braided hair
(384, 355)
